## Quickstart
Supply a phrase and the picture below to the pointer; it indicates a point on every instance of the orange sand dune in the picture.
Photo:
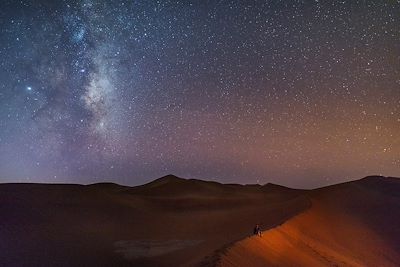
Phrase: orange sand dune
(351, 224)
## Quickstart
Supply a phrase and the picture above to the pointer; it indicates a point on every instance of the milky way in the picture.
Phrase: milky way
(300, 93)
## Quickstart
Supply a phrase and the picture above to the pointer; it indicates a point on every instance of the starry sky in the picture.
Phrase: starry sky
(299, 93)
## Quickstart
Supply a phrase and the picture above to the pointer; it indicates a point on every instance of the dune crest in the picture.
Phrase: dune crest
(349, 224)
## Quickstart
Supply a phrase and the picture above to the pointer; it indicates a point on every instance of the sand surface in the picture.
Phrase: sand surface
(351, 224)
(178, 222)
(169, 222)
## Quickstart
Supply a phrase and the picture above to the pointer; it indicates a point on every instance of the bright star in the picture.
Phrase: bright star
(29, 88)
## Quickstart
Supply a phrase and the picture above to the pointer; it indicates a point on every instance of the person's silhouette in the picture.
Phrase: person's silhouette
(257, 230)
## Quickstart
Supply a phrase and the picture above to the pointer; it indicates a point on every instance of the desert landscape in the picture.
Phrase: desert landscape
(350, 224)
(185, 222)
(199, 133)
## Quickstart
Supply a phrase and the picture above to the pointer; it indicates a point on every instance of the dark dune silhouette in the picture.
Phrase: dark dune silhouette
(187, 222)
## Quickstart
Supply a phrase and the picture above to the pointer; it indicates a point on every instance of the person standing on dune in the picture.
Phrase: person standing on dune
(257, 230)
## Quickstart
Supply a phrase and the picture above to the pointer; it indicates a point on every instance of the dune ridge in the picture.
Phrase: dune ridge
(350, 224)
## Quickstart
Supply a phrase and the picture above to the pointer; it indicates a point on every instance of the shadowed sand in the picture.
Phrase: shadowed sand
(178, 222)
(351, 224)
(168, 222)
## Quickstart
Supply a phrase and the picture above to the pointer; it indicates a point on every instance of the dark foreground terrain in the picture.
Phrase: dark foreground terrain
(178, 222)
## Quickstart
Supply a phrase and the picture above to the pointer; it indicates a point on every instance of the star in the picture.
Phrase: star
(264, 91)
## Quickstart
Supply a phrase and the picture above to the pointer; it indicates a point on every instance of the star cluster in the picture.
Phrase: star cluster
(300, 93)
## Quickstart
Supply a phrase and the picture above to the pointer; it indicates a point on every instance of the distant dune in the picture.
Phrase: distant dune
(350, 224)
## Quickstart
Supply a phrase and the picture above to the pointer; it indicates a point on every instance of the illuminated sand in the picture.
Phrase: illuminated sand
(352, 224)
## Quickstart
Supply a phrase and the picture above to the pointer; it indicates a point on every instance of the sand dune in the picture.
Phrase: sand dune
(169, 222)
(179, 222)
(351, 224)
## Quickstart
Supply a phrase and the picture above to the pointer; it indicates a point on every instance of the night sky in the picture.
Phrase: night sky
(300, 93)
